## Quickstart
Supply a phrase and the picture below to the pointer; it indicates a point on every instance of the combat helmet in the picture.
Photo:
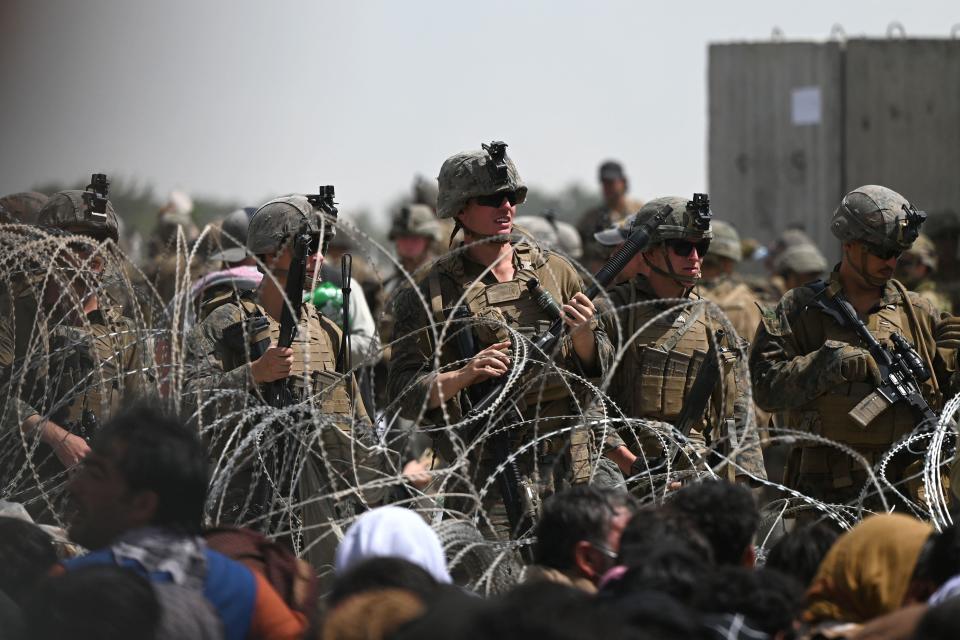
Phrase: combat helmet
(275, 222)
(22, 208)
(87, 212)
(879, 217)
(726, 241)
(469, 174)
(925, 252)
(415, 220)
(800, 259)
(685, 220)
(539, 229)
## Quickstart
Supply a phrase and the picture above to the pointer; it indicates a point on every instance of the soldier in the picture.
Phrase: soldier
(322, 438)
(68, 354)
(416, 234)
(916, 269)
(798, 265)
(616, 206)
(667, 347)
(488, 275)
(721, 285)
(808, 363)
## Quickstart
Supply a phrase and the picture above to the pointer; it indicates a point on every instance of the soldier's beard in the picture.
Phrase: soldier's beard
(872, 280)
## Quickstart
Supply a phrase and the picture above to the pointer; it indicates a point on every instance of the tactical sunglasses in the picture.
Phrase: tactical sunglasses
(496, 199)
(884, 254)
(684, 247)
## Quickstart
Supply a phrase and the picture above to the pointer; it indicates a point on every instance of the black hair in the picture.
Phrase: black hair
(768, 599)
(799, 552)
(725, 513)
(384, 572)
(669, 567)
(100, 602)
(157, 452)
(582, 512)
(651, 526)
(651, 614)
(940, 622)
(940, 557)
(26, 555)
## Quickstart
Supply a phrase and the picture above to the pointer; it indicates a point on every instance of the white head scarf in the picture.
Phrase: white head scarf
(395, 532)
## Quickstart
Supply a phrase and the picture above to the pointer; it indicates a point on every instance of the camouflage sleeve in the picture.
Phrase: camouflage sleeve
(205, 371)
(783, 376)
(934, 324)
(571, 284)
(411, 372)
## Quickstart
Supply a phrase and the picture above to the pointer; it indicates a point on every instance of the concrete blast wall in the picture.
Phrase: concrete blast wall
(795, 125)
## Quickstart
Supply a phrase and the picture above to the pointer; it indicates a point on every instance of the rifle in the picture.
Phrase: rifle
(278, 393)
(902, 370)
(344, 364)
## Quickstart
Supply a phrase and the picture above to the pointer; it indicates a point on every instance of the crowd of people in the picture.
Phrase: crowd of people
(507, 425)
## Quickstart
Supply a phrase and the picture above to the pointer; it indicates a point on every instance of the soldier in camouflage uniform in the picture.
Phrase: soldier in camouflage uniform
(916, 269)
(488, 274)
(68, 358)
(806, 363)
(234, 359)
(615, 208)
(798, 265)
(721, 285)
(667, 347)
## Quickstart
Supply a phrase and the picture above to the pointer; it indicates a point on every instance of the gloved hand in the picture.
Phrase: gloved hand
(947, 333)
(857, 365)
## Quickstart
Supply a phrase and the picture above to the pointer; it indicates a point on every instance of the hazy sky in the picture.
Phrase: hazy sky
(245, 99)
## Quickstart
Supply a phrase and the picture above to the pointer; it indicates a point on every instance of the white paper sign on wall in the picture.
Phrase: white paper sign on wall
(805, 105)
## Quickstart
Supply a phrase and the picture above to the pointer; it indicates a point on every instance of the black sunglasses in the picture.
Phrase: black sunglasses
(496, 199)
(884, 254)
(684, 247)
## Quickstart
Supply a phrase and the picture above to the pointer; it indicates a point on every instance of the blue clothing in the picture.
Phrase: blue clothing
(229, 586)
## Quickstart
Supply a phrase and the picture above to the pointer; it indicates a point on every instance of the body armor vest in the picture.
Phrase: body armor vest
(86, 373)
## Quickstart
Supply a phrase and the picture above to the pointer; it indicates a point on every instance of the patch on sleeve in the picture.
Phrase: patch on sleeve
(771, 320)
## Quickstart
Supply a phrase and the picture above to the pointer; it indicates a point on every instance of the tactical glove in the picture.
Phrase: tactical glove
(857, 365)
(947, 333)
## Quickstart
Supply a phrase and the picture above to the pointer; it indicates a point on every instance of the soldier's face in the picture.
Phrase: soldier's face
(279, 265)
(411, 247)
(489, 220)
(613, 189)
(874, 267)
(688, 265)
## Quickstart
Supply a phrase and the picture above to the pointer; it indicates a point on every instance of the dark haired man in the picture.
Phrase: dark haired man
(139, 498)
(578, 535)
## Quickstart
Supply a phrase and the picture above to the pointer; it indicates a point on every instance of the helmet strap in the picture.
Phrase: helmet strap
(687, 282)
(861, 270)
